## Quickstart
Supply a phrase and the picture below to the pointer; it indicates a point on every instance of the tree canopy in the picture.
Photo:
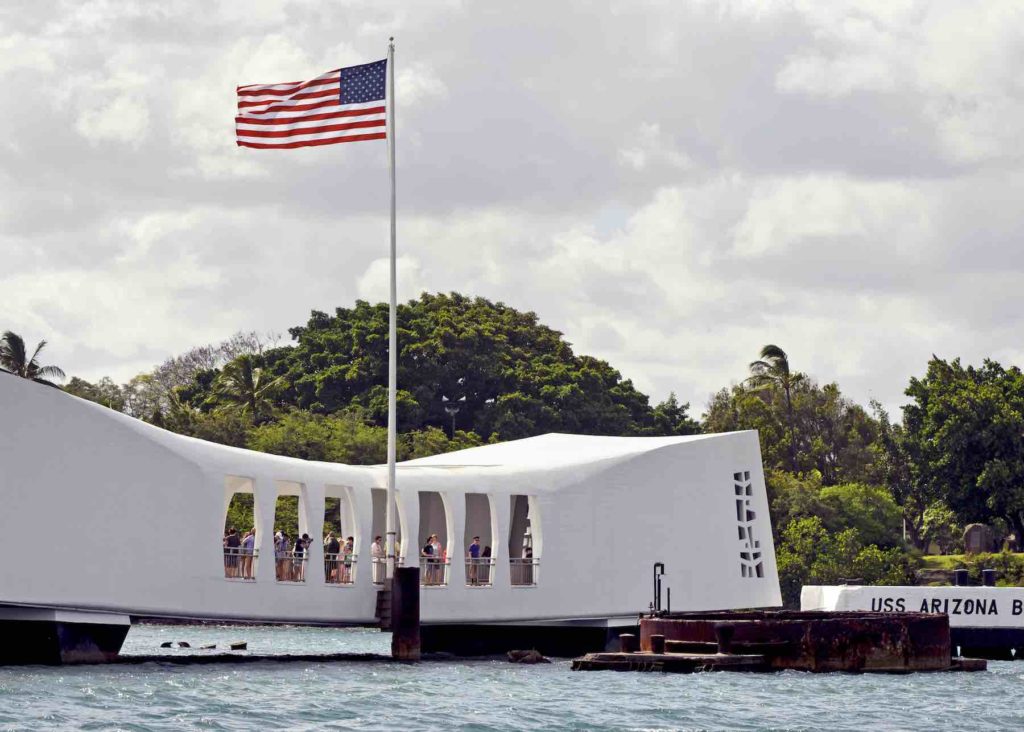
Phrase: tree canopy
(510, 375)
(965, 434)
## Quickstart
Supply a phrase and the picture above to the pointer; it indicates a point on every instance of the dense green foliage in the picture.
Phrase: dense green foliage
(830, 435)
(965, 434)
(509, 375)
(809, 554)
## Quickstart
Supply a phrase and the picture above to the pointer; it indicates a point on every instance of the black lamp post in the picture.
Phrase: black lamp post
(452, 408)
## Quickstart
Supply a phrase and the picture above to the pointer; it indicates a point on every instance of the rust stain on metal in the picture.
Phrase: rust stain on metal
(799, 640)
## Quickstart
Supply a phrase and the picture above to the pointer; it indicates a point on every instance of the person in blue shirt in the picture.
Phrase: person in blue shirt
(474, 561)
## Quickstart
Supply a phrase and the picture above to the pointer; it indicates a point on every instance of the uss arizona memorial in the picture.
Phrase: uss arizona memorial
(110, 517)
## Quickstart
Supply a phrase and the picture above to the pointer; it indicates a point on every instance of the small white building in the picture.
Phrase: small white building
(104, 513)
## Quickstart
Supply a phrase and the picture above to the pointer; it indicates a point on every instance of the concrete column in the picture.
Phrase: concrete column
(264, 500)
(312, 501)
(503, 515)
(362, 510)
(409, 510)
(455, 513)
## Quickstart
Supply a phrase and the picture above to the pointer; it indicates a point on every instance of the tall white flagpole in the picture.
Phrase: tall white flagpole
(392, 325)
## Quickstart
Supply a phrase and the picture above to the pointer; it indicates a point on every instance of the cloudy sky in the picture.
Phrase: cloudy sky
(671, 184)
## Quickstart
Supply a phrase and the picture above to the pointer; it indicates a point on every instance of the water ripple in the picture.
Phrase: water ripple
(476, 695)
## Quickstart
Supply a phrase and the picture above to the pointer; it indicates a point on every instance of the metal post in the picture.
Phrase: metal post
(389, 570)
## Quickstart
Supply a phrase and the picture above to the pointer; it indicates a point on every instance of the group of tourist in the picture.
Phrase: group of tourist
(338, 558)
(238, 554)
(290, 557)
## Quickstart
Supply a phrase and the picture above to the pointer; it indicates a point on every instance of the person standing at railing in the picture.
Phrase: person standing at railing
(485, 569)
(248, 547)
(377, 559)
(299, 565)
(474, 561)
(331, 548)
(428, 570)
(231, 544)
(280, 556)
(350, 547)
(438, 560)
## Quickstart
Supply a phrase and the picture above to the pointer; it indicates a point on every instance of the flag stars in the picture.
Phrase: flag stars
(364, 83)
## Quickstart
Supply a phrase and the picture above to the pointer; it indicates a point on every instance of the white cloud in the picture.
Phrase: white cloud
(374, 284)
(123, 119)
(20, 52)
(695, 180)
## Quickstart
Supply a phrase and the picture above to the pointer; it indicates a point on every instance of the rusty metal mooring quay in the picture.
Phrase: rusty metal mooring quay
(758, 640)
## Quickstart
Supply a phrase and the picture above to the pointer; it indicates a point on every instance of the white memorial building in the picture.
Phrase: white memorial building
(107, 517)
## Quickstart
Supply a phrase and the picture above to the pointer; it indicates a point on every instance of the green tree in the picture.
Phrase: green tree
(246, 388)
(870, 509)
(672, 418)
(941, 527)
(104, 392)
(793, 497)
(342, 438)
(518, 377)
(434, 441)
(809, 554)
(892, 465)
(771, 371)
(833, 436)
(14, 358)
(965, 431)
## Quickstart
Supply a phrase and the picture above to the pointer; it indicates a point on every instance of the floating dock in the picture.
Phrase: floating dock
(858, 642)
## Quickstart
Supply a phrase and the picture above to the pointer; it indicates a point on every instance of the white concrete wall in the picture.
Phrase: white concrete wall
(99, 511)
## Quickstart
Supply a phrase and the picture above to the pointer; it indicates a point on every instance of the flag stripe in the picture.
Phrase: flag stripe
(279, 119)
(345, 105)
(332, 92)
(242, 132)
(288, 87)
(299, 135)
(311, 143)
(324, 91)
(291, 114)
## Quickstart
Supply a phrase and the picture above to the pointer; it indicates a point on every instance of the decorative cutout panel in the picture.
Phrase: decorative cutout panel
(751, 563)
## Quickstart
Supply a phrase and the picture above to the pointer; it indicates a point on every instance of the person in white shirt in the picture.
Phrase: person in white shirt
(378, 560)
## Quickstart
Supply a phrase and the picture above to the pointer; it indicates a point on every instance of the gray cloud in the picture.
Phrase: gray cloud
(670, 184)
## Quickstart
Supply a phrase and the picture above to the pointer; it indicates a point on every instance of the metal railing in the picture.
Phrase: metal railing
(379, 566)
(523, 572)
(340, 568)
(240, 563)
(291, 566)
(479, 571)
(433, 571)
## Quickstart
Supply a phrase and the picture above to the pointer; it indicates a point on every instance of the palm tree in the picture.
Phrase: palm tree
(771, 371)
(14, 358)
(244, 387)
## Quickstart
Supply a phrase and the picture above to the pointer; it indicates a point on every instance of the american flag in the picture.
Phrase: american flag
(344, 105)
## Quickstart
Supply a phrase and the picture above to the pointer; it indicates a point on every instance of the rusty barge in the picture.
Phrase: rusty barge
(766, 640)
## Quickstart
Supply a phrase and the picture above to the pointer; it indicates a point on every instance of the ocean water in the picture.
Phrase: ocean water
(476, 695)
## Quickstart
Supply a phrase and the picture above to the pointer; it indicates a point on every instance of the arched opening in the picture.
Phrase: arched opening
(523, 541)
(239, 539)
(480, 530)
(341, 537)
(378, 522)
(433, 539)
(291, 534)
